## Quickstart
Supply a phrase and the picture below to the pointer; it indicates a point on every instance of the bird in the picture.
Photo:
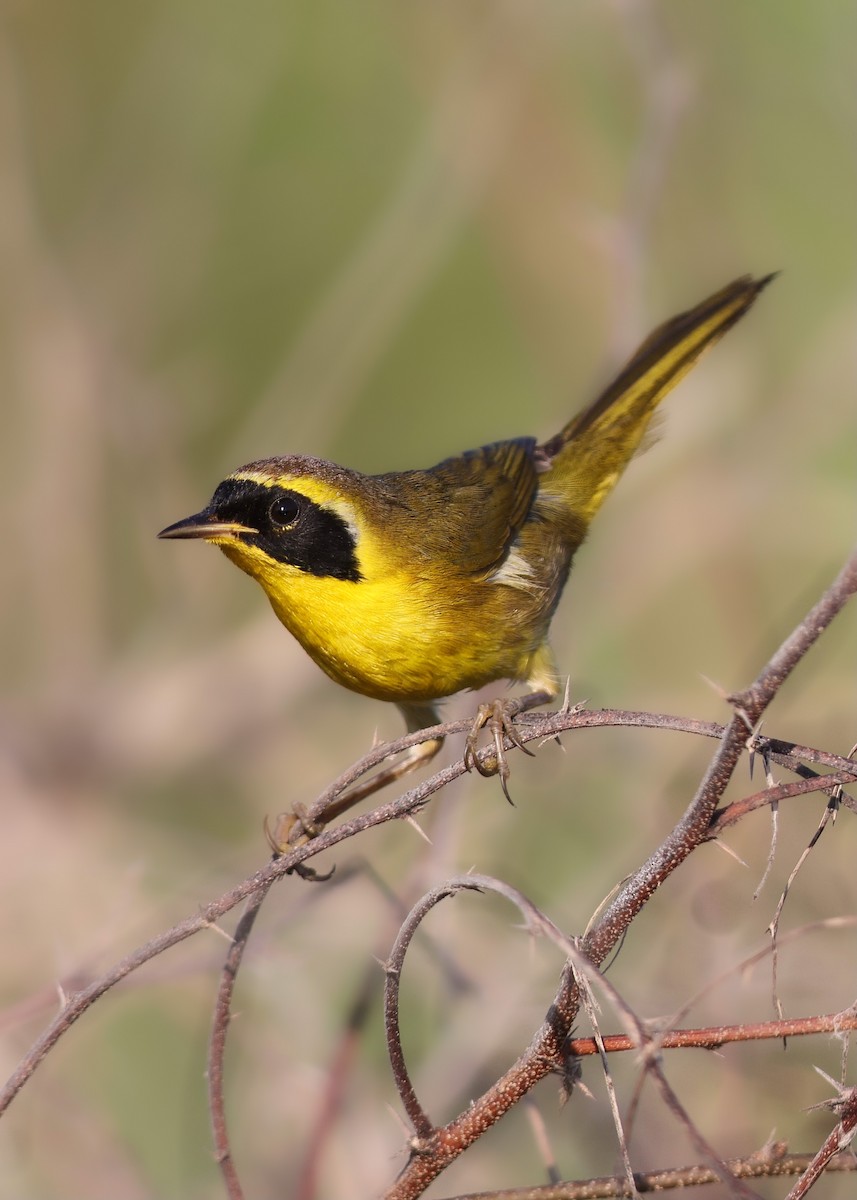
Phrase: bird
(414, 585)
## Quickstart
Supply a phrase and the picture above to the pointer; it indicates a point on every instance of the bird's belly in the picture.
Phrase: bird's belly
(402, 642)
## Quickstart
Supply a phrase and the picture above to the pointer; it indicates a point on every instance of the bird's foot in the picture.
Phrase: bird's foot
(292, 829)
(498, 718)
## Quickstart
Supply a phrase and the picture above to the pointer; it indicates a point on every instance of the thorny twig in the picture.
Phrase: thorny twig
(771, 1162)
(839, 1139)
(547, 1051)
(550, 1046)
(217, 1043)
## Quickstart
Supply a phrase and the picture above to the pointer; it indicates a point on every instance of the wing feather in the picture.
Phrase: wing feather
(469, 508)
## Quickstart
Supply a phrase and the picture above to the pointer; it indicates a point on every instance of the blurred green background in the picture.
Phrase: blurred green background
(381, 233)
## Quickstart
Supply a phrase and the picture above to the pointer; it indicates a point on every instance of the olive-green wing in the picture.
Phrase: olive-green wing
(467, 510)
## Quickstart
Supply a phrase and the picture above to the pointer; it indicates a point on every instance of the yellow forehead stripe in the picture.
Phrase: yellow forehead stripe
(315, 489)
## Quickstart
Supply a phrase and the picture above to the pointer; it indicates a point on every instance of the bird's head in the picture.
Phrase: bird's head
(284, 517)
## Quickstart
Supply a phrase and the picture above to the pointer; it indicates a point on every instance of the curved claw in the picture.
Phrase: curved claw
(471, 745)
(498, 717)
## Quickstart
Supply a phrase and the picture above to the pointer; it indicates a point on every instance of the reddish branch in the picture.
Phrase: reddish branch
(714, 1036)
(773, 795)
(550, 1049)
(78, 998)
(542, 725)
(837, 1140)
(771, 1162)
(585, 974)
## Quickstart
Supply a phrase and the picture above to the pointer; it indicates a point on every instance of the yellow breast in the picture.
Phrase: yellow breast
(405, 626)
(394, 638)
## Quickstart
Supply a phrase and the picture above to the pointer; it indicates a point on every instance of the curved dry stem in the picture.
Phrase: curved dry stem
(429, 1140)
(548, 1048)
(77, 1003)
(217, 1042)
(791, 755)
(423, 1127)
(544, 725)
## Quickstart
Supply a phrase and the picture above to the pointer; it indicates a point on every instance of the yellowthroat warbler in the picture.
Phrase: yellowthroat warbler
(413, 585)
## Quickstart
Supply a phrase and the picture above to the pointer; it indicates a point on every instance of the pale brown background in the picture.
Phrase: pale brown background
(382, 232)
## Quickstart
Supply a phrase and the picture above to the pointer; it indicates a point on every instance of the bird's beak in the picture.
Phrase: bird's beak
(205, 525)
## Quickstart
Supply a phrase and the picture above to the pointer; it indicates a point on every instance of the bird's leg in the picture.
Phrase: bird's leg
(498, 717)
(297, 826)
(417, 717)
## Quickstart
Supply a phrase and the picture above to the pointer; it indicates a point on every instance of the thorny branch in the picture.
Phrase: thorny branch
(585, 975)
(78, 999)
(771, 1162)
(551, 1047)
(839, 1139)
(217, 1043)
(714, 1037)
(548, 1050)
(544, 725)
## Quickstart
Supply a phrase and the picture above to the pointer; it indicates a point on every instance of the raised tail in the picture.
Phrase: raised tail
(593, 449)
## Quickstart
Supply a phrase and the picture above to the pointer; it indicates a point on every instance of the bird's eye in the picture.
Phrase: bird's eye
(284, 511)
